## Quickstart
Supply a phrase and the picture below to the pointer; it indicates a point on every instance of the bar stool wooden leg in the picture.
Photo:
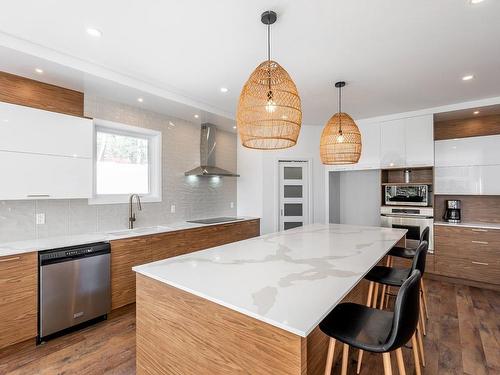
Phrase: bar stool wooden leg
(345, 359)
(387, 363)
(382, 297)
(424, 297)
(329, 358)
(421, 345)
(416, 360)
(401, 364)
(421, 318)
(375, 296)
(368, 303)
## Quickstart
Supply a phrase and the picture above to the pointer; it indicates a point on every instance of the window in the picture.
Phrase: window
(127, 160)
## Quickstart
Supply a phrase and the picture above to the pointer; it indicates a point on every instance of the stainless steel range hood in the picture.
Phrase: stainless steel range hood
(207, 166)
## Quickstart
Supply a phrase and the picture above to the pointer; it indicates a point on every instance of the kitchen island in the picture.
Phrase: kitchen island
(252, 306)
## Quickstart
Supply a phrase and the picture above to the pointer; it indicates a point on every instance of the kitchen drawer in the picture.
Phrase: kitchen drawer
(465, 248)
(18, 298)
(483, 271)
(467, 233)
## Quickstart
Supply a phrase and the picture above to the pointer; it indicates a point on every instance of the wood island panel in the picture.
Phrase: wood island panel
(30, 93)
(180, 333)
(18, 298)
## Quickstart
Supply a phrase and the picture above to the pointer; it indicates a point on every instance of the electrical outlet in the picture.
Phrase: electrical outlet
(40, 218)
(172, 209)
(231, 205)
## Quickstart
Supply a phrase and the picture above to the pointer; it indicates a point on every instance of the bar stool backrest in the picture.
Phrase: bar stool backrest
(418, 262)
(406, 313)
(424, 236)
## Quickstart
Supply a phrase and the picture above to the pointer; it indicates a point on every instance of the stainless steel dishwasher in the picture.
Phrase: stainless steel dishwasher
(74, 287)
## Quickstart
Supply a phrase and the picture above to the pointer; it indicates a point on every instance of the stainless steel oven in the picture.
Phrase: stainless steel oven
(407, 195)
(415, 220)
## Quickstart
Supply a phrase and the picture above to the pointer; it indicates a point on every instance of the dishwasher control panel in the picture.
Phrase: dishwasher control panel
(74, 252)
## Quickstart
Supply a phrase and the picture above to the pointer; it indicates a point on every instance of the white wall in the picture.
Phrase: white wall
(258, 184)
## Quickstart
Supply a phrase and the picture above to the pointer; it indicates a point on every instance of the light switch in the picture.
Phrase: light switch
(172, 209)
(231, 205)
(40, 218)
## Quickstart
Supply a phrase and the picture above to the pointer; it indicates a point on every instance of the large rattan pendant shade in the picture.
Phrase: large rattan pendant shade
(341, 140)
(269, 125)
(269, 113)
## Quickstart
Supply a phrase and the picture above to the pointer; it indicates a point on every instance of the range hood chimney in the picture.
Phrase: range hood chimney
(207, 166)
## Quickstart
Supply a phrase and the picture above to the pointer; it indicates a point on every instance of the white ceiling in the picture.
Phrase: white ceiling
(396, 56)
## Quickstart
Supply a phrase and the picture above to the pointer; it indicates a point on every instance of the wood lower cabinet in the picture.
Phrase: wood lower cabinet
(131, 252)
(126, 254)
(18, 298)
(468, 253)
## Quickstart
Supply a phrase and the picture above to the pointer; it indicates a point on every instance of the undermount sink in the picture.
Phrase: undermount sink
(154, 229)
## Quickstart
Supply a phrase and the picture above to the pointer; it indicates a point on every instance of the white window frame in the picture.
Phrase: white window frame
(154, 150)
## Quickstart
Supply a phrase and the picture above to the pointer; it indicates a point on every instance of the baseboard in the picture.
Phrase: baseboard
(456, 280)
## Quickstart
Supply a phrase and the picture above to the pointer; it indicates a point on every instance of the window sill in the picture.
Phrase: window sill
(120, 199)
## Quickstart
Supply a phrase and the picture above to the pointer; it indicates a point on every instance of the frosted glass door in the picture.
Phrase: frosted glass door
(294, 190)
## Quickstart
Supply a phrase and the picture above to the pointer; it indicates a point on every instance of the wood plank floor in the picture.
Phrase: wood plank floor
(463, 338)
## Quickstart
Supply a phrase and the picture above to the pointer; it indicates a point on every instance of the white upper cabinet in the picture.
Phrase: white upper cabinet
(370, 149)
(25, 129)
(468, 151)
(468, 166)
(419, 139)
(407, 142)
(44, 155)
(393, 143)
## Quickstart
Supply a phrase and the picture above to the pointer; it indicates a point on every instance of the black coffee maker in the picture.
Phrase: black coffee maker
(452, 213)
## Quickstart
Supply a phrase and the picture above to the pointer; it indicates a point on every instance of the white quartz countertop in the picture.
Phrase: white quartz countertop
(290, 279)
(19, 247)
(476, 224)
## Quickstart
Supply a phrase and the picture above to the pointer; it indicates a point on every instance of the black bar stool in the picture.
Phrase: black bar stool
(375, 330)
(389, 276)
(409, 253)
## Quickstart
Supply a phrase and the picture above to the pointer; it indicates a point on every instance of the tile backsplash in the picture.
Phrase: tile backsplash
(192, 197)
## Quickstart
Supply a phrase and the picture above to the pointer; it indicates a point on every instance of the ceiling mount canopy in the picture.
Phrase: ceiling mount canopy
(341, 140)
(269, 112)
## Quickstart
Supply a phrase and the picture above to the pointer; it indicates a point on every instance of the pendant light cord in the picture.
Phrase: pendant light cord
(340, 110)
(269, 53)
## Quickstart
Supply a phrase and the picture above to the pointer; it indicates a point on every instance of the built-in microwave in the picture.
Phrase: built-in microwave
(407, 195)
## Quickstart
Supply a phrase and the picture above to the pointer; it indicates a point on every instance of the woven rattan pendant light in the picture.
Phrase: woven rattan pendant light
(341, 140)
(269, 113)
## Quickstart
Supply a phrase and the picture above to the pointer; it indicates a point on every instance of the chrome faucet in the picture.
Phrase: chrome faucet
(131, 216)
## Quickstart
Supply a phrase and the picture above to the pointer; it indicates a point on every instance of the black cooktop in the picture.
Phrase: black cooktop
(214, 220)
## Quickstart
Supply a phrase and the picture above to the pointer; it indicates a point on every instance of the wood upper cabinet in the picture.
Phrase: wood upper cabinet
(18, 298)
(468, 253)
(128, 253)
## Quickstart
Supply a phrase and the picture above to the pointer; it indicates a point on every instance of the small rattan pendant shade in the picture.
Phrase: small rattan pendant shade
(265, 129)
(340, 149)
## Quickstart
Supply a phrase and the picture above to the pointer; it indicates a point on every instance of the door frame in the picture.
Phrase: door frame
(310, 186)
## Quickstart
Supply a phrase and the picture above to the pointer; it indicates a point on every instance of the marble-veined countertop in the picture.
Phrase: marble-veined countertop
(290, 279)
(19, 247)
(472, 224)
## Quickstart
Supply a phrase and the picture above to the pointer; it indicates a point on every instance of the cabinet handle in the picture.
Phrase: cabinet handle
(480, 242)
(9, 259)
(479, 230)
(38, 195)
(481, 263)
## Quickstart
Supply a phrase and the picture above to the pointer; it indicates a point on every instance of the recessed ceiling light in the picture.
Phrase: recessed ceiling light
(224, 89)
(476, 112)
(94, 32)
(196, 116)
(234, 127)
(140, 100)
(39, 71)
(467, 77)
(171, 123)
(476, 1)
